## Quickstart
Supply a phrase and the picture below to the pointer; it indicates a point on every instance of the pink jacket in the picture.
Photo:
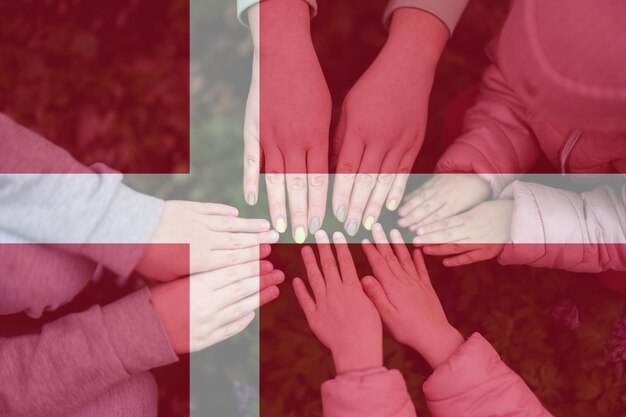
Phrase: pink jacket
(474, 382)
(556, 91)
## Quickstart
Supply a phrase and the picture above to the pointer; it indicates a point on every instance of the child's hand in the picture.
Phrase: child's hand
(204, 309)
(406, 300)
(217, 238)
(476, 235)
(340, 314)
(442, 196)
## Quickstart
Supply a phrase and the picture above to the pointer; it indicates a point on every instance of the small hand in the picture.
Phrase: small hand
(406, 299)
(215, 236)
(339, 313)
(440, 197)
(476, 235)
(204, 309)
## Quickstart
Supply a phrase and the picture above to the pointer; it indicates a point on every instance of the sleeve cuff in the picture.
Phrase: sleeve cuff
(243, 5)
(449, 12)
(131, 218)
(137, 334)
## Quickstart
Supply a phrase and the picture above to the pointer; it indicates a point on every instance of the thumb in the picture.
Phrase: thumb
(376, 293)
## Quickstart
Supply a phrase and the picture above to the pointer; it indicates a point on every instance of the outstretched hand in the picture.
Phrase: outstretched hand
(339, 312)
(406, 300)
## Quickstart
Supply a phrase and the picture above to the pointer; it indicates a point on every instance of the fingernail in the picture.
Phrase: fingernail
(378, 227)
(300, 235)
(352, 228)
(341, 214)
(392, 205)
(368, 223)
(251, 199)
(314, 225)
(280, 225)
(337, 236)
(420, 231)
(416, 240)
(264, 225)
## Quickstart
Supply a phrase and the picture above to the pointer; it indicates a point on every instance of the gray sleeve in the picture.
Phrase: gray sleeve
(448, 11)
(243, 5)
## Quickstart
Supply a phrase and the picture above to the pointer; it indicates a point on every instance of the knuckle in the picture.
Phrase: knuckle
(252, 160)
(328, 265)
(347, 168)
(385, 179)
(296, 184)
(390, 258)
(275, 178)
(318, 181)
(365, 180)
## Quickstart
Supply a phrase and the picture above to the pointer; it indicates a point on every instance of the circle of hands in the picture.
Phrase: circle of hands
(379, 134)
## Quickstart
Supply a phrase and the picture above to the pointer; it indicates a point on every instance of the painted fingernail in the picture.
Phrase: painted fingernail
(369, 222)
(251, 199)
(300, 235)
(314, 225)
(392, 205)
(341, 214)
(352, 228)
(280, 225)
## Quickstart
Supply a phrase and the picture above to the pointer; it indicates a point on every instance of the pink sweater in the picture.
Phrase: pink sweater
(474, 382)
(557, 88)
(92, 363)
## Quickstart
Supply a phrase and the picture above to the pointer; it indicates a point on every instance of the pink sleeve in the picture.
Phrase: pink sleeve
(448, 11)
(556, 228)
(374, 393)
(496, 142)
(80, 356)
(475, 382)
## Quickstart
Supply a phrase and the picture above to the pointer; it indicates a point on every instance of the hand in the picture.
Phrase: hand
(340, 314)
(383, 120)
(287, 118)
(204, 309)
(216, 238)
(476, 235)
(442, 196)
(406, 299)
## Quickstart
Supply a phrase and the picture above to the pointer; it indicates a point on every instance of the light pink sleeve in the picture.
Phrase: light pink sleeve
(496, 142)
(79, 356)
(475, 382)
(561, 229)
(448, 11)
(374, 393)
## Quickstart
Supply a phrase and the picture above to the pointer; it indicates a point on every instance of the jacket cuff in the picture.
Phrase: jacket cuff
(243, 5)
(449, 12)
(131, 218)
(137, 334)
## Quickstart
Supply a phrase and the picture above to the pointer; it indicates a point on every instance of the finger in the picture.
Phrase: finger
(470, 257)
(399, 183)
(376, 261)
(318, 285)
(327, 259)
(228, 240)
(338, 142)
(402, 252)
(363, 186)
(317, 168)
(425, 209)
(223, 277)
(224, 258)
(251, 168)
(231, 329)
(210, 208)
(420, 266)
(429, 184)
(446, 249)
(243, 307)
(456, 221)
(375, 292)
(304, 298)
(444, 212)
(416, 199)
(268, 295)
(275, 184)
(236, 224)
(379, 194)
(443, 236)
(244, 288)
(344, 257)
(295, 164)
(347, 167)
(384, 248)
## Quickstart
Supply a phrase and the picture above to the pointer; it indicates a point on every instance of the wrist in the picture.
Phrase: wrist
(443, 344)
(285, 25)
(418, 35)
(358, 360)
